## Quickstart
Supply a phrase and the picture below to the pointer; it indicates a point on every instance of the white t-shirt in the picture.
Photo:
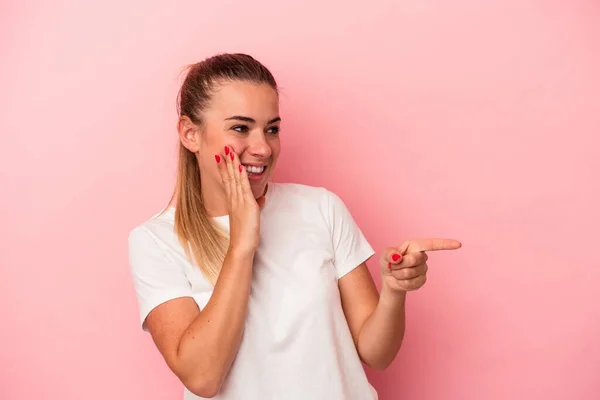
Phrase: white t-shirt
(296, 343)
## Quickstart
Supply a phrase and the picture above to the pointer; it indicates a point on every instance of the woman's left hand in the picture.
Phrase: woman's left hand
(404, 268)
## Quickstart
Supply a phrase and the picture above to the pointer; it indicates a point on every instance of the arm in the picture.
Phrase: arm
(377, 325)
(200, 346)
(376, 322)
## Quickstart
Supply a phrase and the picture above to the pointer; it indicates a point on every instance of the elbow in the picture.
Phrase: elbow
(205, 387)
(206, 390)
(379, 365)
(378, 358)
(203, 379)
(378, 362)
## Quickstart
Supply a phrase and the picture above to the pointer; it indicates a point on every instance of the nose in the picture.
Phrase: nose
(258, 146)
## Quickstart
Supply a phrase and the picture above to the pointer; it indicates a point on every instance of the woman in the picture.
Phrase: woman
(258, 290)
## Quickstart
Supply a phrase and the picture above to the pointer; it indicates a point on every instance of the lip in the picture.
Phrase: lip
(256, 177)
(255, 165)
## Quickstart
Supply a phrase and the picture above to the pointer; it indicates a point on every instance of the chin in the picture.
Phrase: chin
(258, 190)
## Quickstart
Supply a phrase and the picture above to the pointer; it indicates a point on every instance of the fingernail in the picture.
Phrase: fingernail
(240, 168)
(389, 266)
(218, 158)
(396, 257)
(226, 150)
(231, 155)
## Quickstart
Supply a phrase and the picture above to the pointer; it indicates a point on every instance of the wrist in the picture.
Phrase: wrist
(390, 296)
(240, 254)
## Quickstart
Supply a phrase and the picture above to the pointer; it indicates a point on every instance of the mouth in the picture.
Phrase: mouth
(255, 171)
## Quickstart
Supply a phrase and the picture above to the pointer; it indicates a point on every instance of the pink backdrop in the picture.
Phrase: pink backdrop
(477, 120)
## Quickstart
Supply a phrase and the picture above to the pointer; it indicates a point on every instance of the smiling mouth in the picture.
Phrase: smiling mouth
(255, 170)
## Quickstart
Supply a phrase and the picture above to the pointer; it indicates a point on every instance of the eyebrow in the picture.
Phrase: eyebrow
(251, 120)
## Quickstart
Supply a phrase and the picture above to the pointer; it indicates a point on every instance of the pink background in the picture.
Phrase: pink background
(476, 120)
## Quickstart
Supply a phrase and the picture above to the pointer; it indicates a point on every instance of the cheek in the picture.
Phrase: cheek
(237, 145)
(275, 149)
(215, 140)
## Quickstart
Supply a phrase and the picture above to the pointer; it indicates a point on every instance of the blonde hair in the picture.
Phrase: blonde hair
(204, 241)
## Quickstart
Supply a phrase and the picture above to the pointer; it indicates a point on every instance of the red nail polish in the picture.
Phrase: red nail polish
(217, 158)
(390, 266)
(226, 150)
(395, 257)
(231, 155)
(240, 168)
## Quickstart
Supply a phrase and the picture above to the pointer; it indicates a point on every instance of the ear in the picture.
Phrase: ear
(189, 134)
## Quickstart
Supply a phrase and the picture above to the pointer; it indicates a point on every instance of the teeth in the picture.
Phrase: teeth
(253, 169)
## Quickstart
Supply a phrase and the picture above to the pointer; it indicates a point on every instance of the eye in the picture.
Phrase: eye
(240, 128)
(274, 130)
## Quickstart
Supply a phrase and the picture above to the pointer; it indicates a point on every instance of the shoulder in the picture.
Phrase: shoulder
(316, 195)
(157, 229)
(310, 202)
(156, 262)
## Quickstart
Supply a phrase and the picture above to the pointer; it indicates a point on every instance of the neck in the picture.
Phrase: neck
(215, 199)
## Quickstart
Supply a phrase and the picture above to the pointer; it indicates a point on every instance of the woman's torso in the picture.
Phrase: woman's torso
(296, 342)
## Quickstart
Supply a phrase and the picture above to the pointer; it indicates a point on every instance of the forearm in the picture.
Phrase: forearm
(382, 333)
(210, 344)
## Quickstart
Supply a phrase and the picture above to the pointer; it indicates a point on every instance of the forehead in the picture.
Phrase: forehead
(258, 101)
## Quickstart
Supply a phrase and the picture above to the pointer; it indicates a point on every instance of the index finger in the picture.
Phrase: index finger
(222, 167)
(245, 182)
(430, 245)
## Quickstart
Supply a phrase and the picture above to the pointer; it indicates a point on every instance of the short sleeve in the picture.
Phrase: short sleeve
(350, 247)
(155, 278)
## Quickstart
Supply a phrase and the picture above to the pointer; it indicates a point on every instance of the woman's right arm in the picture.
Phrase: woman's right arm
(200, 346)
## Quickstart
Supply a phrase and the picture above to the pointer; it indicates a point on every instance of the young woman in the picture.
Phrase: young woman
(252, 289)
